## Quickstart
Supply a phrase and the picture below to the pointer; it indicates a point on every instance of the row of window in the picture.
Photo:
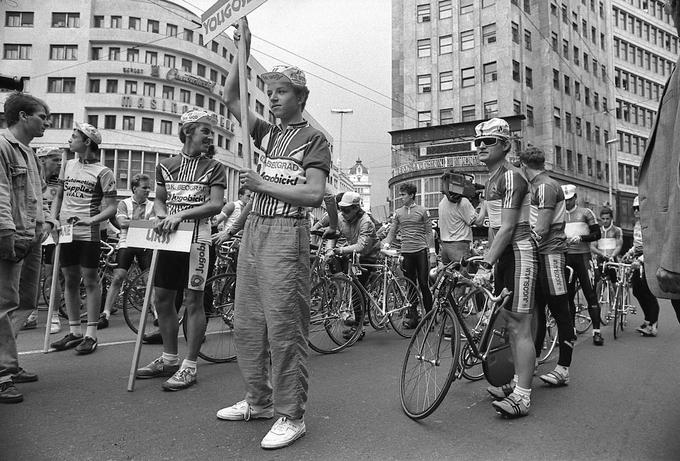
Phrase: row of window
(641, 57)
(645, 30)
(445, 8)
(635, 114)
(468, 113)
(601, 170)
(654, 8)
(637, 85)
(628, 174)
(589, 100)
(27, 19)
(632, 144)
(565, 11)
(578, 126)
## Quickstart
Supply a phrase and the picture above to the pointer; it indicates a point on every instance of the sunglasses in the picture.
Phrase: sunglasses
(488, 141)
(346, 209)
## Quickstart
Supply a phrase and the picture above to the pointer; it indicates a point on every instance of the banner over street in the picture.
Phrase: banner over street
(224, 13)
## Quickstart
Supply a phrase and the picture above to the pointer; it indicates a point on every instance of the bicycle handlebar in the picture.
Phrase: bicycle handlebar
(107, 247)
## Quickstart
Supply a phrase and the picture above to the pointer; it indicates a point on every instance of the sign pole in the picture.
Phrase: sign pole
(53, 297)
(243, 96)
(142, 322)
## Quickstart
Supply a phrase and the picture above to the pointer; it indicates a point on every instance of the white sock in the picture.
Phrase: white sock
(595, 331)
(91, 330)
(514, 381)
(188, 364)
(564, 371)
(74, 328)
(170, 359)
(524, 394)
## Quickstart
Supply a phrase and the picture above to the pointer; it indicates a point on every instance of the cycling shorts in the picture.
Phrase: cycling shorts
(127, 255)
(48, 253)
(516, 270)
(80, 252)
(175, 270)
(551, 274)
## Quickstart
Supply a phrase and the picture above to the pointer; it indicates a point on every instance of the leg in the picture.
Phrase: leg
(422, 270)
(29, 287)
(10, 274)
(119, 276)
(168, 322)
(72, 294)
(648, 302)
(524, 353)
(676, 307)
(196, 322)
(581, 270)
(409, 266)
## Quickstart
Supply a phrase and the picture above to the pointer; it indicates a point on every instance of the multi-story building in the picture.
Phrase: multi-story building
(131, 68)
(358, 174)
(545, 66)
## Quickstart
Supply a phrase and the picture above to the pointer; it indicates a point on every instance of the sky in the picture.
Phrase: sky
(344, 47)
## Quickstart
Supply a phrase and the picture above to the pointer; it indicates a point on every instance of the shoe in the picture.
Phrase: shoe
(55, 325)
(103, 321)
(67, 342)
(243, 411)
(500, 392)
(30, 323)
(283, 433)
(153, 338)
(598, 340)
(182, 379)
(513, 406)
(157, 369)
(650, 330)
(24, 376)
(9, 393)
(349, 333)
(642, 328)
(87, 346)
(555, 378)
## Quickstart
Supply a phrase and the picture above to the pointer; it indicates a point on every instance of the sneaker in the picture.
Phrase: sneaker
(24, 376)
(598, 340)
(512, 406)
(55, 324)
(650, 330)
(30, 323)
(243, 411)
(9, 393)
(283, 433)
(87, 346)
(103, 321)
(180, 380)
(157, 369)
(642, 328)
(555, 378)
(153, 338)
(500, 392)
(67, 342)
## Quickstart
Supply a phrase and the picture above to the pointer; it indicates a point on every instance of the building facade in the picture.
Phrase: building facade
(131, 68)
(358, 175)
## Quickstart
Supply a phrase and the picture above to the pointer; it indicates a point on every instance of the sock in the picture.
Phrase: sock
(188, 364)
(91, 330)
(595, 331)
(514, 381)
(74, 328)
(170, 359)
(524, 394)
(107, 315)
(564, 371)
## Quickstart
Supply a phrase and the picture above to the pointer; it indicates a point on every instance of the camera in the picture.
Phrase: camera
(11, 83)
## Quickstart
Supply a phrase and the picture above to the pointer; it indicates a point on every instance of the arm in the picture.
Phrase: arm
(596, 251)
(7, 226)
(309, 194)
(241, 221)
(331, 210)
(481, 216)
(122, 216)
(619, 245)
(226, 212)
(231, 86)
(542, 227)
(364, 240)
(509, 220)
(56, 204)
(210, 208)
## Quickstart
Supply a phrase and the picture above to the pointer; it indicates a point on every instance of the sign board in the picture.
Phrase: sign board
(438, 163)
(223, 14)
(142, 235)
(66, 234)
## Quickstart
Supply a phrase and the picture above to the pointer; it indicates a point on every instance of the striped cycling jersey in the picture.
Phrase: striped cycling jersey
(413, 223)
(546, 193)
(85, 186)
(129, 209)
(187, 182)
(507, 188)
(579, 220)
(609, 239)
(289, 153)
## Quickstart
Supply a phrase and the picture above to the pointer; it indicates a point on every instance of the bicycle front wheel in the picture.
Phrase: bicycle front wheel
(133, 301)
(430, 363)
(376, 317)
(401, 298)
(605, 296)
(618, 310)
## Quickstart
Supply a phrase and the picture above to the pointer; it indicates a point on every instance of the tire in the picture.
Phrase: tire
(133, 302)
(617, 306)
(550, 339)
(402, 296)
(377, 319)
(470, 366)
(430, 364)
(605, 302)
(582, 320)
(218, 343)
(334, 302)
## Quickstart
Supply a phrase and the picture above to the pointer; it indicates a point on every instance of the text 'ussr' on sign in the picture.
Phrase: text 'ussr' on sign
(224, 13)
(142, 235)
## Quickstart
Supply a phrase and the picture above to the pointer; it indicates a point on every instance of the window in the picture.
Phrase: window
(185, 96)
(567, 121)
(130, 87)
(490, 72)
(489, 33)
(467, 77)
(147, 124)
(576, 54)
(565, 49)
(114, 54)
(98, 22)
(169, 61)
(188, 35)
(152, 26)
(151, 57)
(424, 83)
(171, 30)
(213, 75)
(587, 99)
(96, 53)
(556, 79)
(200, 69)
(467, 40)
(17, 51)
(65, 19)
(187, 65)
(589, 136)
(93, 120)
(132, 55)
(579, 162)
(527, 6)
(529, 77)
(515, 71)
(446, 81)
(530, 115)
(64, 52)
(567, 84)
(445, 116)
(168, 92)
(128, 122)
(490, 109)
(19, 19)
(516, 107)
(466, 6)
(259, 108)
(166, 127)
(61, 85)
(200, 100)
(134, 23)
(446, 44)
(62, 121)
(110, 122)
(423, 13)
(515, 32)
(554, 41)
(424, 48)
(468, 113)
(424, 119)
(111, 86)
(558, 156)
(94, 85)
(557, 117)
(527, 40)
(577, 90)
(578, 126)
(150, 89)
(116, 22)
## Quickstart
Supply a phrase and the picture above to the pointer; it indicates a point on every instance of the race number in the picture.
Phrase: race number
(66, 234)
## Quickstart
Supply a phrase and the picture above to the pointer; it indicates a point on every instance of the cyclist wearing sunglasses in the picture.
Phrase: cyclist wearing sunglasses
(514, 253)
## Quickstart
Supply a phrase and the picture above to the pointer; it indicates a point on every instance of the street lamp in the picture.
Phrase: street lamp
(610, 143)
(342, 113)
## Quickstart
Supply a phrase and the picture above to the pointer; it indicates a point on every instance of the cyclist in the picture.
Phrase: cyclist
(648, 302)
(232, 210)
(609, 246)
(547, 221)
(132, 208)
(417, 241)
(581, 229)
(86, 186)
(514, 254)
(456, 216)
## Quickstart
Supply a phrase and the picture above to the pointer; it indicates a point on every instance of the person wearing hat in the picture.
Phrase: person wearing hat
(86, 197)
(456, 216)
(190, 189)
(582, 228)
(514, 253)
(273, 290)
(24, 225)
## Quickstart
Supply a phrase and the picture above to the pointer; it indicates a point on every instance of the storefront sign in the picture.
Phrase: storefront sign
(182, 76)
(438, 163)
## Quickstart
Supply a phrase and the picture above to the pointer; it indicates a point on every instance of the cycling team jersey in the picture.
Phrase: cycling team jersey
(579, 221)
(289, 153)
(609, 239)
(507, 188)
(546, 193)
(412, 223)
(85, 186)
(129, 209)
(187, 181)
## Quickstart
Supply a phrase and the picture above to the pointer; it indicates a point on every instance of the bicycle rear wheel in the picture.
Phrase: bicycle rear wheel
(605, 297)
(550, 339)
(133, 301)
(430, 364)
(377, 319)
(402, 296)
(582, 320)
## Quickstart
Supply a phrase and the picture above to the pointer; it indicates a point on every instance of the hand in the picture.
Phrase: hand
(251, 180)
(482, 277)
(330, 233)
(45, 231)
(85, 222)
(575, 239)
(7, 247)
(242, 31)
(330, 252)
(221, 237)
(170, 223)
(385, 246)
(668, 281)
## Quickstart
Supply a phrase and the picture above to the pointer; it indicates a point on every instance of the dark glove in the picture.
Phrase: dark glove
(7, 247)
